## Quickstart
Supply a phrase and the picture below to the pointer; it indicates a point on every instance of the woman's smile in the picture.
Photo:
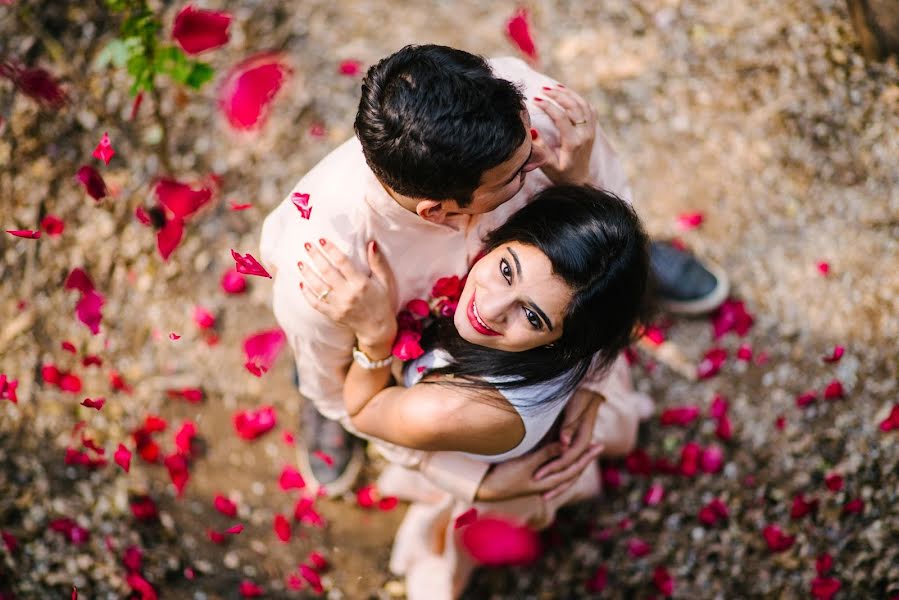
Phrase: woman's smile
(475, 319)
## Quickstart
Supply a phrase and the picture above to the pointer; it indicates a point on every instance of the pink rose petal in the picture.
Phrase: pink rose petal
(494, 541)
(122, 457)
(350, 67)
(290, 479)
(198, 30)
(28, 234)
(654, 495)
(638, 548)
(248, 589)
(247, 91)
(261, 349)
(282, 528)
(225, 506)
(519, 31)
(233, 282)
(835, 355)
(250, 424)
(690, 220)
(179, 199)
(104, 150)
(823, 268)
(248, 265)
(711, 363)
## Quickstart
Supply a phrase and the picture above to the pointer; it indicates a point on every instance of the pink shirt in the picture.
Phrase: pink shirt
(350, 207)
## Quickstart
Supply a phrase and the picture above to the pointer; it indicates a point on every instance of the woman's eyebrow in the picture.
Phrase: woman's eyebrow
(536, 308)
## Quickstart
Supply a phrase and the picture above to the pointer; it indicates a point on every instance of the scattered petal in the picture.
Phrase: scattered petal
(248, 90)
(519, 31)
(654, 495)
(824, 588)
(806, 398)
(248, 265)
(144, 509)
(225, 506)
(36, 83)
(834, 482)
(776, 539)
(366, 496)
(802, 507)
(744, 353)
(8, 389)
(261, 349)
(184, 437)
(312, 578)
(141, 586)
(638, 547)
(854, 507)
(288, 438)
(174, 336)
(104, 150)
(250, 424)
(598, 581)
(89, 310)
(197, 30)
(28, 234)
(135, 106)
(712, 459)
(176, 464)
(466, 518)
(92, 181)
(679, 415)
(731, 316)
(350, 67)
(179, 199)
(690, 458)
(52, 225)
(97, 404)
(823, 564)
(304, 512)
(493, 541)
(132, 558)
(236, 206)
(407, 346)
(835, 355)
(318, 561)
(10, 541)
(834, 390)
(248, 589)
(282, 527)
(387, 504)
(69, 347)
(724, 430)
(301, 202)
(325, 458)
(291, 479)
(690, 220)
(663, 581)
(122, 457)
(711, 363)
(192, 395)
(823, 268)
(233, 282)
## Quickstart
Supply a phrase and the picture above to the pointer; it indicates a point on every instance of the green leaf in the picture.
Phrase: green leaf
(200, 73)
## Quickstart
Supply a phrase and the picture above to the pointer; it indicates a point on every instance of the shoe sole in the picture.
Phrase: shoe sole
(339, 486)
(706, 304)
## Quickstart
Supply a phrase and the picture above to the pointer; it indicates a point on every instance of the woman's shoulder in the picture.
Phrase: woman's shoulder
(465, 419)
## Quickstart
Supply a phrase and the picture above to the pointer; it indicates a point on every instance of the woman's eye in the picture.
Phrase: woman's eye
(533, 319)
(505, 270)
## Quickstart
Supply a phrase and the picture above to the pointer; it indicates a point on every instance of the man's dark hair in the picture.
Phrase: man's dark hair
(432, 119)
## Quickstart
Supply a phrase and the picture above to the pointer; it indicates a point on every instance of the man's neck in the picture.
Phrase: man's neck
(404, 201)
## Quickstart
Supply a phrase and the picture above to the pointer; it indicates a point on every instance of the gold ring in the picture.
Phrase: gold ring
(579, 122)
(323, 295)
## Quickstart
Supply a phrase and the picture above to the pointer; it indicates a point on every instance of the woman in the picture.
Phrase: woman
(559, 291)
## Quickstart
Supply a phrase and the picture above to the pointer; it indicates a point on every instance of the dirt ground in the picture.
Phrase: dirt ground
(762, 116)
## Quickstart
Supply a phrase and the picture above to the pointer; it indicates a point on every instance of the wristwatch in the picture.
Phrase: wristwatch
(365, 362)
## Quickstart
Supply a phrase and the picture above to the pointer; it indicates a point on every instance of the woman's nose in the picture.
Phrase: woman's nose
(492, 305)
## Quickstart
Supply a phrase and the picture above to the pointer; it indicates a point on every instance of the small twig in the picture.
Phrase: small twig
(164, 138)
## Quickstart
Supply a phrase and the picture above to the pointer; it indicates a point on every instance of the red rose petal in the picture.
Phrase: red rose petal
(806, 398)
(418, 307)
(598, 581)
(854, 507)
(52, 225)
(89, 310)
(144, 508)
(248, 265)
(325, 458)
(288, 438)
(250, 424)
(10, 541)
(118, 383)
(366, 496)
(104, 150)
(711, 363)
(233, 282)
(744, 353)
(776, 539)
(834, 390)
(312, 578)
(282, 527)
(731, 316)
(70, 383)
(97, 404)
(388, 503)
(690, 220)
(248, 589)
(176, 464)
(261, 349)
(663, 581)
(519, 31)
(824, 588)
(494, 541)
(203, 318)
(823, 268)
(192, 395)
(834, 482)
(301, 202)
(180, 200)
(141, 586)
(69, 347)
(611, 477)
(637, 547)
(823, 564)
(290, 479)
(638, 462)
(8, 389)
(135, 106)
(406, 346)
(36, 83)
(317, 130)
(712, 459)
(248, 90)
(802, 507)
(892, 420)
(835, 355)
(235, 206)
(689, 459)
(225, 506)
(466, 518)
(132, 558)
(122, 457)
(304, 512)
(184, 437)
(679, 415)
(25, 233)
(234, 529)
(198, 30)
(92, 181)
(654, 495)
(350, 67)
(317, 561)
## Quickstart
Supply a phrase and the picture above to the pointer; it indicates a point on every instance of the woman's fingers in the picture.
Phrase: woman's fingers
(570, 475)
(576, 107)
(339, 260)
(328, 273)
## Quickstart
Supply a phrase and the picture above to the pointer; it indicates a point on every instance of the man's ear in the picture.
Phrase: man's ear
(431, 210)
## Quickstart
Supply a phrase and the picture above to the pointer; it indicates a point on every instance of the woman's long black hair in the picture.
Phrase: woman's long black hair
(596, 244)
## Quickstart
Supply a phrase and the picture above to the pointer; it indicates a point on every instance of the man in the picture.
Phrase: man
(446, 149)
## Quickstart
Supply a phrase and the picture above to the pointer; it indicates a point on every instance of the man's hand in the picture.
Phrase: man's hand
(575, 436)
(576, 121)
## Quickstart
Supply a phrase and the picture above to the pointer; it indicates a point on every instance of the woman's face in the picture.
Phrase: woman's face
(512, 300)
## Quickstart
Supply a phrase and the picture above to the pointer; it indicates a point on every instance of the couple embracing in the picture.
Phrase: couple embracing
(496, 178)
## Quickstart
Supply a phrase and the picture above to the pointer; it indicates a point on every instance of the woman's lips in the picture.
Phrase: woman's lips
(473, 319)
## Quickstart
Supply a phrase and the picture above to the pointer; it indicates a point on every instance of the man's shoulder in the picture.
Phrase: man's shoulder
(516, 70)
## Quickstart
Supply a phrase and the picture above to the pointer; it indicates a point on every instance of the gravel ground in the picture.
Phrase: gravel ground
(761, 116)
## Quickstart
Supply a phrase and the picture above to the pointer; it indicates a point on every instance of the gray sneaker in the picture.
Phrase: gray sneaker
(683, 284)
(337, 446)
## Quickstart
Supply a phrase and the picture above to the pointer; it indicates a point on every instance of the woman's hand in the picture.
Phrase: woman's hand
(339, 291)
(576, 122)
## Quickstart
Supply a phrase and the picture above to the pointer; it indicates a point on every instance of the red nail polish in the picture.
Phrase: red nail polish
(533, 134)
(307, 246)
(547, 88)
(538, 99)
(560, 85)
(301, 285)
(374, 247)
(321, 241)
(300, 265)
